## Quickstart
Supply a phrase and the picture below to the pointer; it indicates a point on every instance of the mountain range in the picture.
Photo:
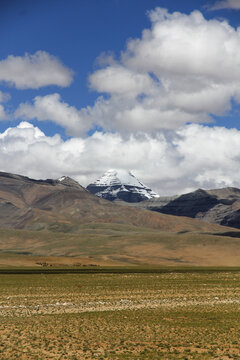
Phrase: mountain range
(63, 205)
(60, 219)
(220, 206)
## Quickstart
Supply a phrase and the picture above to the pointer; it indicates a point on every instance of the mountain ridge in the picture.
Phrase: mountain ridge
(64, 205)
(220, 206)
(61, 218)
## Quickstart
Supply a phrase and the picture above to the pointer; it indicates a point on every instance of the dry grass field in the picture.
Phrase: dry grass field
(118, 244)
(163, 315)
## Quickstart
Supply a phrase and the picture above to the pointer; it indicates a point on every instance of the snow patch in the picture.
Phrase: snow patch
(62, 178)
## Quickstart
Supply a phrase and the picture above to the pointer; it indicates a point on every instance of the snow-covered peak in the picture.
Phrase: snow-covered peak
(121, 184)
(118, 177)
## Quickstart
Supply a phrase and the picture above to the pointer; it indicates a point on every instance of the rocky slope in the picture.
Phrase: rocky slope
(220, 206)
(121, 185)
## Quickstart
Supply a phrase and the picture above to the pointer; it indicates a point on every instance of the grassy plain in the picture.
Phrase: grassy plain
(181, 314)
(118, 244)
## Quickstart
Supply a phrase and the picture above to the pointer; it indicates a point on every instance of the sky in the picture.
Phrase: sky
(150, 86)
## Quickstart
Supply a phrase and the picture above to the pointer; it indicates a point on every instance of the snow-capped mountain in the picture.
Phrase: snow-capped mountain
(121, 185)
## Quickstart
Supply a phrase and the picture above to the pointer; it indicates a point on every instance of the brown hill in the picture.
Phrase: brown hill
(219, 206)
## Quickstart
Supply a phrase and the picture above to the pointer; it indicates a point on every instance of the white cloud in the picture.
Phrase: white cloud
(50, 107)
(120, 81)
(226, 4)
(4, 97)
(34, 71)
(181, 70)
(195, 156)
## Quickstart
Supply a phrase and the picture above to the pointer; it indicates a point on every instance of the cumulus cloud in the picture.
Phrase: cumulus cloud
(168, 165)
(226, 4)
(181, 70)
(50, 107)
(120, 81)
(34, 71)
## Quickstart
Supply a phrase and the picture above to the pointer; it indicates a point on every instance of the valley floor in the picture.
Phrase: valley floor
(164, 315)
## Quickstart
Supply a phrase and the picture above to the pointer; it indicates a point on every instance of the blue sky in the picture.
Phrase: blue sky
(86, 41)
